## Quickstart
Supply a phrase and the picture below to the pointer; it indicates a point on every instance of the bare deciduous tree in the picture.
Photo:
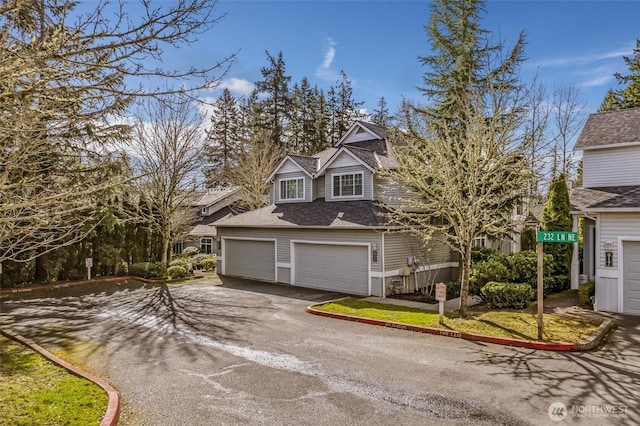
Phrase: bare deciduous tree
(259, 159)
(460, 191)
(166, 149)
(568, 114)
(64, 75)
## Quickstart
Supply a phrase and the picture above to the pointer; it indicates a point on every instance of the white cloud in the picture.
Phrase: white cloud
(598, 81)
(324, 70)
(582, 60)
(237, 86)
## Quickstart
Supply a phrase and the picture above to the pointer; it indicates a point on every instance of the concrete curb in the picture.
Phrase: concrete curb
(596, 338)
(588, 344)
(112, 415)
(61, 285)
(95, 280)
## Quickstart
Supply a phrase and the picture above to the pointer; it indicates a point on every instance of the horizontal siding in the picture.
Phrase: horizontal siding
(307, 186)
(319, 187)
(284, 237)
(367, 182)
(612, 227)
(611, 167)
(398, 246)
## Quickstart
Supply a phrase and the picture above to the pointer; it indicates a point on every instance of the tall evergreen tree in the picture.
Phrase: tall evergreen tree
(629, 95)
(556, 216)
(223, 137)
(276, 105)
(381, 113)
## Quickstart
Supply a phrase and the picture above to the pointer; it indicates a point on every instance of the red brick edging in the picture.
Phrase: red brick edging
(530, 344)
(63, 285)
(112, 415)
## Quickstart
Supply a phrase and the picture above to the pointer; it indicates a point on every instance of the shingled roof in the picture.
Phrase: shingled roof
(612, 198)
(319, 213)
(610, 128)
(310, 164)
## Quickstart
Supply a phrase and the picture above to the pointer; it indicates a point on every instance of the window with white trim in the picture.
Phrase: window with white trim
(479, 242)
(348, 185)
(206, 245)
(292, 189)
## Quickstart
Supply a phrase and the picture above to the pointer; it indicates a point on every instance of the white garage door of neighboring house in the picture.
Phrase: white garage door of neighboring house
(254, 259)
(631, 277)
(341, 268)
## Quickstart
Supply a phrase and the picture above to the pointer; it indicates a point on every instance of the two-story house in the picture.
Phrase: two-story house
(210, 205)
(325, 227)
(609, 204)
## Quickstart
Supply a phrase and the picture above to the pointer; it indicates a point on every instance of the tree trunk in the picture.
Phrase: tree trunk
(464, 281)
(42, 268)
(166, 239)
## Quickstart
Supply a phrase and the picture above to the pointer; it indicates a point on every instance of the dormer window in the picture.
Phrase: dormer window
(292, 189)
(347, 185)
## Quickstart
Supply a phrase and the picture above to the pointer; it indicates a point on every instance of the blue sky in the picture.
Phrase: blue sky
(377, 43)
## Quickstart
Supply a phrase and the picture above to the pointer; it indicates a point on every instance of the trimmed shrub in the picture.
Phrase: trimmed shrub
(507, 295)
(482, 254)
(178, 262)
(198, 259)
(585, 293)
(142, 269)
(209, 264)
(485, 272)
(453, 289)
(176, 271)
(190, 251)
(160, 271)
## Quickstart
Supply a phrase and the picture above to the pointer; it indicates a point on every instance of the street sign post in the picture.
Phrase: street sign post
(88, 262)
(566, 237)
(441, 297)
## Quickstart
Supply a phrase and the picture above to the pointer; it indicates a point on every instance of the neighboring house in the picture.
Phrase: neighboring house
(211, 205)
(609, 205)
(326, 229)
(525, 215)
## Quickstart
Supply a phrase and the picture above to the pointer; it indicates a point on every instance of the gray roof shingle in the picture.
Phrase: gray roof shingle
(310, 164)
(319, 213)
(610, 128)
(583, 199)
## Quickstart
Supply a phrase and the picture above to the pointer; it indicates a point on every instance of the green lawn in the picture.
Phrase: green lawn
(34, 391)
(499, 323)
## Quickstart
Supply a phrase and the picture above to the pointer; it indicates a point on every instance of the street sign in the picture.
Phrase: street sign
(557, 237)
(441, 292)
(88, 262)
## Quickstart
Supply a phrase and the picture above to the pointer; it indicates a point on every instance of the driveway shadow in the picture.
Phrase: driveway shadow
(156, 319)
(608, 376)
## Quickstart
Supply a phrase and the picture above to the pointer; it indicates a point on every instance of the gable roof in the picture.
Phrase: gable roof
(319, 213)
(612, 198)
(610, 129)
(355, 153)
(209, 197)
(308, 165)
(374, 132)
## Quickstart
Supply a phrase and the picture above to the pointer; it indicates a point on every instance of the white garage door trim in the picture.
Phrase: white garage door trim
(223, 242)
(621, 299)
(330, 243)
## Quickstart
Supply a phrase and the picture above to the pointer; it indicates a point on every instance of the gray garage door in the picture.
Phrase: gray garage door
(332, 267)
(250, 259)
(631, 276)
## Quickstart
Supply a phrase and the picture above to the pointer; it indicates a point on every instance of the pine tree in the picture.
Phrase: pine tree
(557, 217)
(381, 114)
(629, 95)
(223, 139)
(276, 106)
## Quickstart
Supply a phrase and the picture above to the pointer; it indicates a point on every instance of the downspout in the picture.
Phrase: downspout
(383, 279)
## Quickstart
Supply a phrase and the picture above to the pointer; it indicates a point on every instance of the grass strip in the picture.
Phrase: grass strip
(33, 391)
(499, 323)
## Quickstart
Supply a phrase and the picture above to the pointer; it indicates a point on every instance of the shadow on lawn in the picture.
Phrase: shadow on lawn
(156, 319)
(608, 376)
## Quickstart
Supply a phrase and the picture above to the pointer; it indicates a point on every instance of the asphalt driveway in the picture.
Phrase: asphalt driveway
(236, 352)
